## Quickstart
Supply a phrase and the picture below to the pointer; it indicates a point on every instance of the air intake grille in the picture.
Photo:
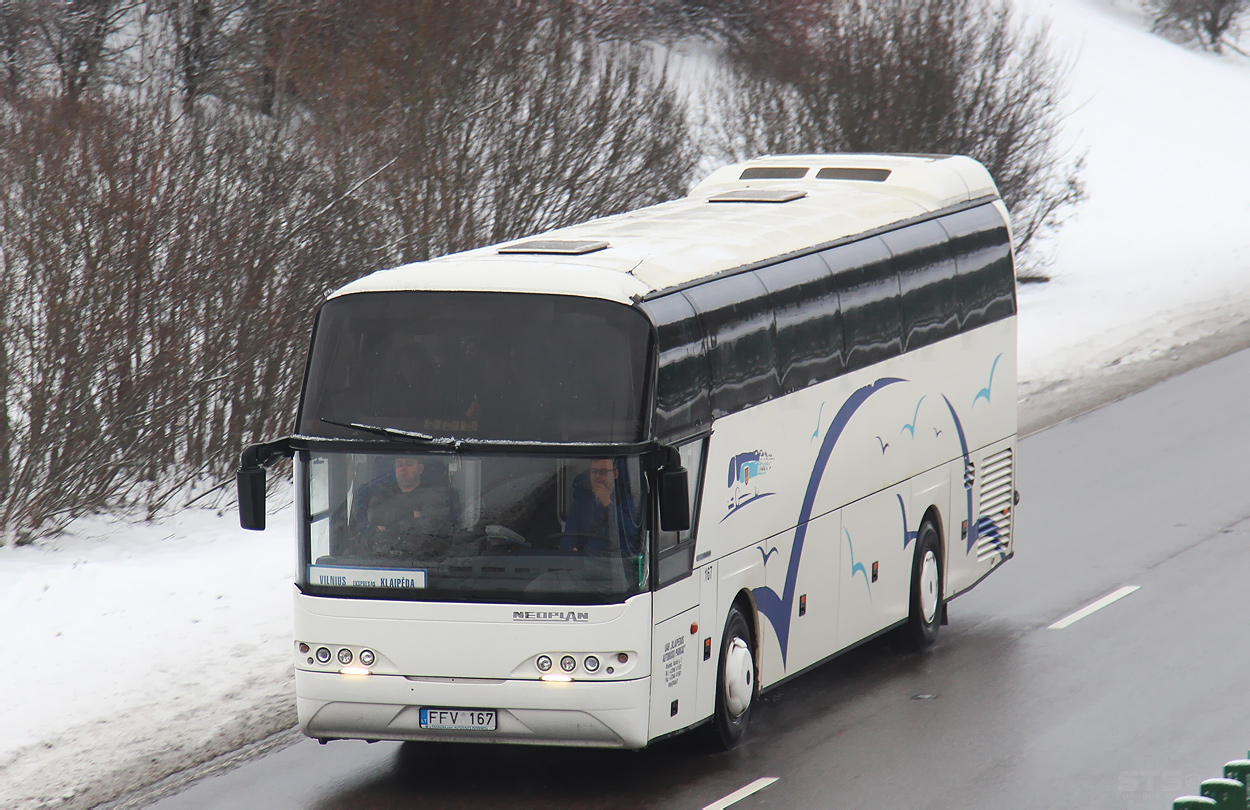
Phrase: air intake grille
(997, 495)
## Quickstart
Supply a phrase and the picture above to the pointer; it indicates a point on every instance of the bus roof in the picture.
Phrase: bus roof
(769, 207)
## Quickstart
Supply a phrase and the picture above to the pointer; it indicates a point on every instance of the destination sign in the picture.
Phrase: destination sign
(345, 577)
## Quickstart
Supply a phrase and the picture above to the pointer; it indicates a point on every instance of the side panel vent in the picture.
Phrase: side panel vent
(997, 495)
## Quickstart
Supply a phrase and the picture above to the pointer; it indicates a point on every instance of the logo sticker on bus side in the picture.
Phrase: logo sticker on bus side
(744, 471)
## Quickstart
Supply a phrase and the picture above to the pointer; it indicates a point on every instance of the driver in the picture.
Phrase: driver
(409, 518)
(601, 516)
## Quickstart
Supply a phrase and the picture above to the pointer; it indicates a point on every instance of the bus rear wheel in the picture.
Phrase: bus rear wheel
(925, 615)
(736, 684)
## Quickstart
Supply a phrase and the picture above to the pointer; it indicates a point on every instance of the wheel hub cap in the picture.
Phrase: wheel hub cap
(739, 674)
(928, 586)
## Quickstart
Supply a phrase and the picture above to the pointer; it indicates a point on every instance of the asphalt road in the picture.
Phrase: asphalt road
(1128, 707)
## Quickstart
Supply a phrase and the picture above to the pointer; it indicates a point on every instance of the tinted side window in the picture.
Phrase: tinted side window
(868, 291)
(681, 390)
(926, 276)
(804, 298)
(985, 275)
(742, 355)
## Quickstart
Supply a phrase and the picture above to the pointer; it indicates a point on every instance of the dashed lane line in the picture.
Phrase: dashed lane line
(741, 793)
(1072, 618)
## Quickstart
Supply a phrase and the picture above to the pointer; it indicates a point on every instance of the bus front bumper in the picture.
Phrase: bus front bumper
(606, 714)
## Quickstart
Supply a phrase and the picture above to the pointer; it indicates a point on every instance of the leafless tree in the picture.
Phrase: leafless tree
(166, 235)
(926, 76)
(1210, 23)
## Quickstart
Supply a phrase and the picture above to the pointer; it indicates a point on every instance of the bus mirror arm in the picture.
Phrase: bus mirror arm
(674, 490)
(250, 479)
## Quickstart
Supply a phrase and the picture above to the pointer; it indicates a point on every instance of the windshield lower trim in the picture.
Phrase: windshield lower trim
(455, 596)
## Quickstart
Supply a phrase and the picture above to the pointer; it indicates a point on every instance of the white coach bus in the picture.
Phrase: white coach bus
(603, 485)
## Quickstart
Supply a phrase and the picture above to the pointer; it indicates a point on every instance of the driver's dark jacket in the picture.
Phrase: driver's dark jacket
(388, 524)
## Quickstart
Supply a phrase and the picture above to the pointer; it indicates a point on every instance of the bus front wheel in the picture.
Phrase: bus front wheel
(736, 685)
(925, 615)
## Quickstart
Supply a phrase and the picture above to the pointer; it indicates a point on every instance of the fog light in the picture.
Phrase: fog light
(345, 657)
(543, 662)
(568, 664)
(366, 657)
(591, 663)
(323, 655)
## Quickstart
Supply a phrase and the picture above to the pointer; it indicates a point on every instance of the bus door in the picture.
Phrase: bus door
(683, 610)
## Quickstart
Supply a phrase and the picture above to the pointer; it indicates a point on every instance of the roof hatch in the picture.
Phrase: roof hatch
(773, 173)
(838, 173)
(563, 247)
(764, 195)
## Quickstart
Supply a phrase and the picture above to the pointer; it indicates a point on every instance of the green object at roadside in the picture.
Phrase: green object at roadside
(1229, 794)
(1193, 803)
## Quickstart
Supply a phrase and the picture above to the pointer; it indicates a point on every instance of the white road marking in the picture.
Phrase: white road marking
(1099, 605)
(741, 793)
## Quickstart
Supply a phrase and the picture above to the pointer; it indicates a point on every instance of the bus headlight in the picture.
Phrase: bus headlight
(345, 656)
(367, 657)
(543, 663)
(568, 663)
(591, 663)
(323, 655)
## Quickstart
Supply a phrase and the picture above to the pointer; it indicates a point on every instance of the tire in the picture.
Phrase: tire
(737, 685)
(927, 598)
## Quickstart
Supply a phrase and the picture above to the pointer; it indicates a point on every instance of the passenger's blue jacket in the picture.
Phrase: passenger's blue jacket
(616, 528)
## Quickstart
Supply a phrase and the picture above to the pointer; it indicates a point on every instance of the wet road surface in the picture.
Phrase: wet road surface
(1127, 707)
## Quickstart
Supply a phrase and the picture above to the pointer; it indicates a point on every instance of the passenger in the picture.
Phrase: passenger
(407, 517)
(602, 517)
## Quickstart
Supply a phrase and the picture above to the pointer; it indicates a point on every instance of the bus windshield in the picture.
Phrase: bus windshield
(478, 365)
(502, 527)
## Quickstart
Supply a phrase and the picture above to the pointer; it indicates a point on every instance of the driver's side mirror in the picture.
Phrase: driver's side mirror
(250, 479)
(251, 483)
(674, 490)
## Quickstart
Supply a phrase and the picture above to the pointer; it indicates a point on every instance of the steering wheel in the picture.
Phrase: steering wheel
(502, 534)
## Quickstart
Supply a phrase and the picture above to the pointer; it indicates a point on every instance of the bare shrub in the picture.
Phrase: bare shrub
(1209, 23)
(913, 76)
(167, 229)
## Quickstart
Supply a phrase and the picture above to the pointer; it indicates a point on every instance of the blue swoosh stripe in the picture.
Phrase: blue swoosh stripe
(778, 608)
(973, 529)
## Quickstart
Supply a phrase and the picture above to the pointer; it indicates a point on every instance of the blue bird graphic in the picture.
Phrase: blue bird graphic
(914, 419)
(985, 392)
(884, 445)
(857, 568)
(936, 432)
(816, 432)
(907, 536)
(770, 553)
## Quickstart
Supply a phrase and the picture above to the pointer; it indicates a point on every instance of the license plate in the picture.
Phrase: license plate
(458, 719)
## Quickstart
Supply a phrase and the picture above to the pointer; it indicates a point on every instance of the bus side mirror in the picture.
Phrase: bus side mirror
(251, 484)
(250, 479)
(674, 489)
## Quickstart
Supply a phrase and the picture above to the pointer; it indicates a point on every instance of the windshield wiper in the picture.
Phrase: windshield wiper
(389, 433)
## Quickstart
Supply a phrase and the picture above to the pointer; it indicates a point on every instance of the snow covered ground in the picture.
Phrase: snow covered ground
(142, 649)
